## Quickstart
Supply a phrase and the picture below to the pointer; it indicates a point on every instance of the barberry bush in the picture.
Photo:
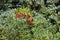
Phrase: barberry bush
(24, 24)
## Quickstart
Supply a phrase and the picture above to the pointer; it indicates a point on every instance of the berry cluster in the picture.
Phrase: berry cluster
(26, 16)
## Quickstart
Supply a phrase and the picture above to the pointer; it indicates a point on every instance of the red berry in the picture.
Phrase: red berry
(18, 15)
(25, 15)
(29, 20)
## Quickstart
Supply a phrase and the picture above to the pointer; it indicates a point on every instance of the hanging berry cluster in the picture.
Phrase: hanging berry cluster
(25, 16)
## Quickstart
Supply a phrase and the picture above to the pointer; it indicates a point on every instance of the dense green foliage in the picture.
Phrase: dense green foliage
(45, 24)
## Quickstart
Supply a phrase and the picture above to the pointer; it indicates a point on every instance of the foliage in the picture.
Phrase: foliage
(23, 24)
